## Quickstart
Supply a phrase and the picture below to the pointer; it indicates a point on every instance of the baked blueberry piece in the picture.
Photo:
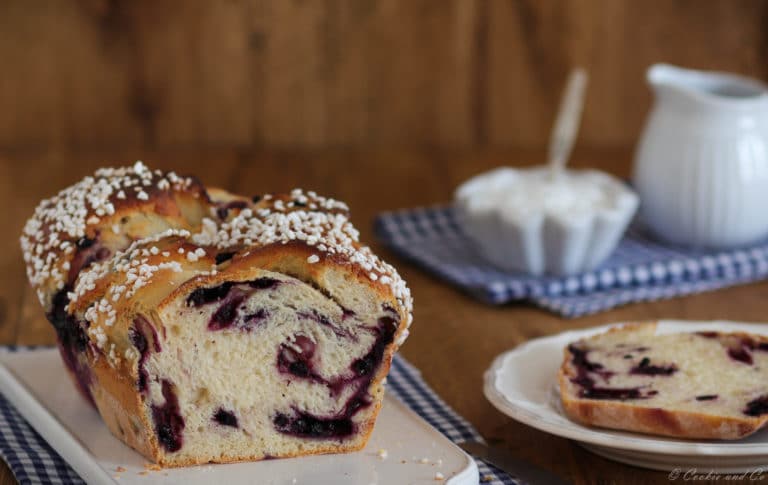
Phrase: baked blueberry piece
(706, 385)
(208, 327)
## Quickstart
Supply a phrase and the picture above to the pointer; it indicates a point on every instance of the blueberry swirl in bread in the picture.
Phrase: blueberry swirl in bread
(209, 327)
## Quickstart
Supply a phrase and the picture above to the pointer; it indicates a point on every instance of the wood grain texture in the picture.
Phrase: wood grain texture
(449, 327)
(533, 44)
(348, 73)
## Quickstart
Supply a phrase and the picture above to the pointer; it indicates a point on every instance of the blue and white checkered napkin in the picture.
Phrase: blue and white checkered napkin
(640, 269)
(33, 461)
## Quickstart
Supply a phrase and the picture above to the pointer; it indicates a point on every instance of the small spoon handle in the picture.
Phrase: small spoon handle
(567, 124)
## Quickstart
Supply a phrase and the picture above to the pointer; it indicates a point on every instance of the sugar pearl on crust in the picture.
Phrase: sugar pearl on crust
(195, 255)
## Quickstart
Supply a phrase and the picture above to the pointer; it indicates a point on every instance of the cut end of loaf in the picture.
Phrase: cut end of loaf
(260, 367)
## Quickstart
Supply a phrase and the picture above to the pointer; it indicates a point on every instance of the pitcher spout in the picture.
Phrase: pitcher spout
(705, 87)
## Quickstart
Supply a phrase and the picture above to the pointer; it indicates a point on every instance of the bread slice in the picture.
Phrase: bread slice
(704, 385)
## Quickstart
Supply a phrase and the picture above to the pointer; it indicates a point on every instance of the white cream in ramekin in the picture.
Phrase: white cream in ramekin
(533, 221)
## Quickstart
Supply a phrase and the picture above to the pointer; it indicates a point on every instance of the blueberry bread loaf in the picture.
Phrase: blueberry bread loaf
(707, 385)
(208, 327)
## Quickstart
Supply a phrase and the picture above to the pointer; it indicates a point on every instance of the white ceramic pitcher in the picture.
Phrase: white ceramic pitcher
(701, 166)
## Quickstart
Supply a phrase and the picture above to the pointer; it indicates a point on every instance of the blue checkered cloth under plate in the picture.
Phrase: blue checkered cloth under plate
(640, 269)
(33, 461)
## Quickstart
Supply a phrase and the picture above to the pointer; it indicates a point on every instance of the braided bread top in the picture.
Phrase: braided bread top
(119, 220)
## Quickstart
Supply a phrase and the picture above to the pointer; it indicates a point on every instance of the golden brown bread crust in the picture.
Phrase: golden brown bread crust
(167, 233)
(121, 406)
(657, 421)
(116, 206)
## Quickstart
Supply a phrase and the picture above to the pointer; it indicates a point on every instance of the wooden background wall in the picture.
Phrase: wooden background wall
(348, 73)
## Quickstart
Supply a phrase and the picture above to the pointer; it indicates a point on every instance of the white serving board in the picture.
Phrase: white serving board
(36, 383)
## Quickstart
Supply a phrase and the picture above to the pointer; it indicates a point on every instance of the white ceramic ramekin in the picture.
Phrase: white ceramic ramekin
(526, 220)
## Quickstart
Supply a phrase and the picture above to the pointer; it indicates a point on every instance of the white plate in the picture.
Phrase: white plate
(522, 383)
(37, 385)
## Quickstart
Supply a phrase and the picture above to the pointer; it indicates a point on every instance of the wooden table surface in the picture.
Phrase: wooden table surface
(453, 339)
